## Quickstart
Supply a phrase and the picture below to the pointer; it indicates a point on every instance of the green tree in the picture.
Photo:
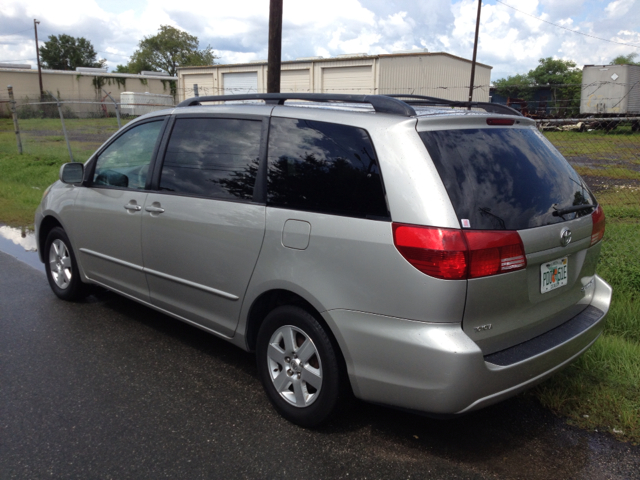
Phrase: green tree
(563, 77)
(625, 60)
(169, 49)
(565, 80)
(64, 52)
(516, 86)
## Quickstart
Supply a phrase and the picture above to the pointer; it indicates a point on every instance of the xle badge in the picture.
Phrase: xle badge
(481, 328)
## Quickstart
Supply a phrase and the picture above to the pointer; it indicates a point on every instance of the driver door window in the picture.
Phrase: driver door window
(125, 163)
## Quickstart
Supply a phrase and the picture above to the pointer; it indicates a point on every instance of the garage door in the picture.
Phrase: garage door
(356, 80)
(238, 83)
(294, 81)
(204, 82)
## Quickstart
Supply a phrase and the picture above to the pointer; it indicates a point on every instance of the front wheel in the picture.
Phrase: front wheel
(299, 366)
(62, 268)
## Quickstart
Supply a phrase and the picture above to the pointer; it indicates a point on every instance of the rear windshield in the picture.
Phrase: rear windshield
(505, 178)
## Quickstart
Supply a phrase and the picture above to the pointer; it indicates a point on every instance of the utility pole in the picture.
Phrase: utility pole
(475, 51)
(35, 27)
(275, 46)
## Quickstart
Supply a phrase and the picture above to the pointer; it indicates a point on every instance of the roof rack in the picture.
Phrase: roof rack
(434, 101)
(380, 103)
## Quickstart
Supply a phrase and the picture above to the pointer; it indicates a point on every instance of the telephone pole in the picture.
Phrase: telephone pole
(475, 51)
(35, 27)
(275, 46)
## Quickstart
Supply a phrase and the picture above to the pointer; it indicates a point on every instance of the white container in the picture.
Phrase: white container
(610, 89)
(138, 103)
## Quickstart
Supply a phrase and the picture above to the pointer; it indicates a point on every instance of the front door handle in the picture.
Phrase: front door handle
(153, 209)
(133, 206)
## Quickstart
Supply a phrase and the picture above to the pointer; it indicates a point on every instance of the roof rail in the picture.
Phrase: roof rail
(380, 103)
(434, 101)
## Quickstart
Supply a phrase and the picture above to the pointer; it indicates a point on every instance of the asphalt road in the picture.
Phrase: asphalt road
(110, 389)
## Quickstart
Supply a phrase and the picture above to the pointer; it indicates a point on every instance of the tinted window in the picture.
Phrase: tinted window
(125, 163)
(505, 178)
(212, 157)
(323, 167)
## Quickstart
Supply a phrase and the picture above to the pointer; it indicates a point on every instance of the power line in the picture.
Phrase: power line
(568, 29)
(14, 33)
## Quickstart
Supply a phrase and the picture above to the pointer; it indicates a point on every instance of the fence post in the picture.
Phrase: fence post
(14, 114)
(117, 110)
(64, 129)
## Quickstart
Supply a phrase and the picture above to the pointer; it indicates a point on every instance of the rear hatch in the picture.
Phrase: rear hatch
(501, 176)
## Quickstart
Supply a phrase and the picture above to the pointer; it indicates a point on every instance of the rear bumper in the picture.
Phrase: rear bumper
(437, 368)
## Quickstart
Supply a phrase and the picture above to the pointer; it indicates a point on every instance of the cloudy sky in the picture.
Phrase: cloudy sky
(511, 39)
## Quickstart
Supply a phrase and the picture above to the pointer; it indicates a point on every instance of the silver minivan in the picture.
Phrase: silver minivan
(415, 252)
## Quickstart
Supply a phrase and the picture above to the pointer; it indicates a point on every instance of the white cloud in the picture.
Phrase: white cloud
(510, 41)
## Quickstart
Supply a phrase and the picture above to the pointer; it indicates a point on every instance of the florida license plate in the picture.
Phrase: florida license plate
(553, 274)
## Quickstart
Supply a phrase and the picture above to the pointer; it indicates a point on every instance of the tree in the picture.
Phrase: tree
(169, 49)
(516, 86)
(625, 60)
(561, 76)
(64, 52)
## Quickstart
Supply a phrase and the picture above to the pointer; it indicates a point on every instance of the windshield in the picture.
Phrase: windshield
(506, 178)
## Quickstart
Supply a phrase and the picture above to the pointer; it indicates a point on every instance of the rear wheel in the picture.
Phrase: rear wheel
(62, 268)
(299, 367)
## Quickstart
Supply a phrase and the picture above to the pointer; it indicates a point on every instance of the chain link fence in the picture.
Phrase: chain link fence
(605, 151)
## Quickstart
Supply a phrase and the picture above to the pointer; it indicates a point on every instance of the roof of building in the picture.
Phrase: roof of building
(418, 53)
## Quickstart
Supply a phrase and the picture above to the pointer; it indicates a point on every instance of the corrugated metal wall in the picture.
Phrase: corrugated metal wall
(440, 76)
(634, 93)
(298, 80)
(434, 74)
(355, 80)
(204, 82)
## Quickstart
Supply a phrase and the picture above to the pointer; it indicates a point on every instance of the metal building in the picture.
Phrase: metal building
(416, 72)
(81, 84)
(610, 89)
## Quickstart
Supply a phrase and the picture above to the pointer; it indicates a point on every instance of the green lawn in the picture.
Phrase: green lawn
(602, 389)
(599, 391)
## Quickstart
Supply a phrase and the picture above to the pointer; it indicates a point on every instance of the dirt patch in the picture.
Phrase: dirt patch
(599, 184)
(74, 135)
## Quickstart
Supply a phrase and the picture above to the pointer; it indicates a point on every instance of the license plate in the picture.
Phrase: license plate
(553, 274)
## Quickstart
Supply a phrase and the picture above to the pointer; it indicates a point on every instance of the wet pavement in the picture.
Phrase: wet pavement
(108, 388)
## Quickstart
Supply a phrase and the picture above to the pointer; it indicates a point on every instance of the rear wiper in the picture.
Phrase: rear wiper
(563, 211)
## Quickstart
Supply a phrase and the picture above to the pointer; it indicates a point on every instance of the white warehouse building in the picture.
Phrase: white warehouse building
(415, 72)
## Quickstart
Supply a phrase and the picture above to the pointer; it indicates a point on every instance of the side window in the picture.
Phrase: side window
(212, 157)
(125, 163)
(324, 167)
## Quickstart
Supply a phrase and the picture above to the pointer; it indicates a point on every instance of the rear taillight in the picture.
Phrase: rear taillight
(597, 231)
(494, 252)
(453, 254)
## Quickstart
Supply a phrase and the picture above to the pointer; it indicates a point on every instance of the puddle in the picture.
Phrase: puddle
(21, 244)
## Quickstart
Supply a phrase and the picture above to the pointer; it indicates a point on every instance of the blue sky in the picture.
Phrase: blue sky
(511, 41)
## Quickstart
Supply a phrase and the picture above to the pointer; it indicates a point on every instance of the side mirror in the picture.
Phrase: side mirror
(72, 173)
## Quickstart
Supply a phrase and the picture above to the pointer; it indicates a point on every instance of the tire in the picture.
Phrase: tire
(62, 268)
(299, 367)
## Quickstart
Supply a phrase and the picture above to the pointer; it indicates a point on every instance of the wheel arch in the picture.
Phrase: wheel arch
(268, 301)
(47, 224)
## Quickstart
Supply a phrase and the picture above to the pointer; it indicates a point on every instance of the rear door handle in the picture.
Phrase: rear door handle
(153, 209)
(133, 206)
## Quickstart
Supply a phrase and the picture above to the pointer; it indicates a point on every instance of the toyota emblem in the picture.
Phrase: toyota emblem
(565, 237)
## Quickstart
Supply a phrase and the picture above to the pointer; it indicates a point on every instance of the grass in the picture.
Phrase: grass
(599, 391)
(23, 178)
